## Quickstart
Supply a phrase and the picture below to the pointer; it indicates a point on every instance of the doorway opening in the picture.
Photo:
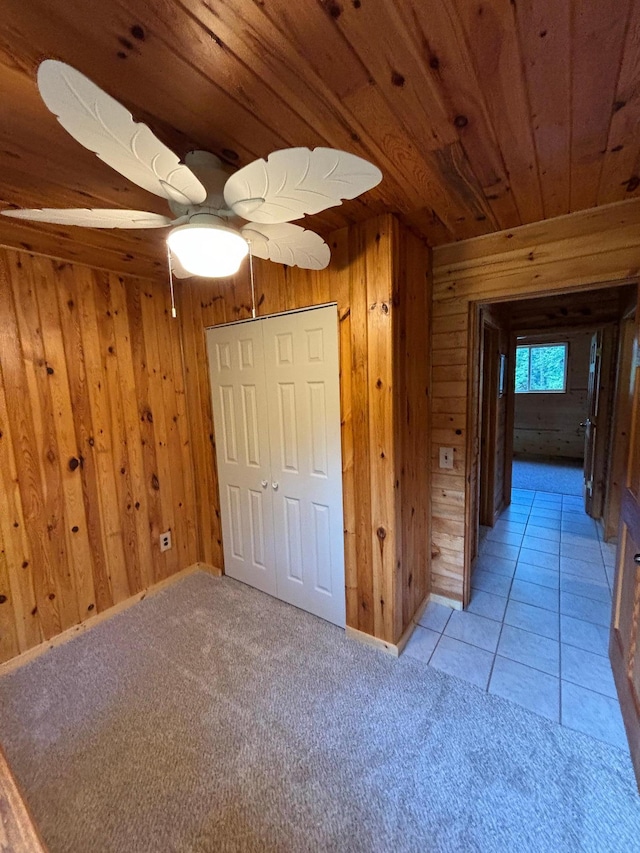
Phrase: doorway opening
(550, 418)
(548, 448)
(553, 427)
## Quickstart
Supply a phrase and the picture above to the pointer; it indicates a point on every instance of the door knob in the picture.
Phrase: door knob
(584, 423)
(264, 484)
(636, 559)
(274, 486)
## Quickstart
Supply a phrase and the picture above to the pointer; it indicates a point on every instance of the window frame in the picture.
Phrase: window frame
(546, 344)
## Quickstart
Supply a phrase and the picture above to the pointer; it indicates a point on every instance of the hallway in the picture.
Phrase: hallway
(536, 631)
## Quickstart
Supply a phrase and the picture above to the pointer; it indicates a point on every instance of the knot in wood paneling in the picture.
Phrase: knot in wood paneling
(332, 8)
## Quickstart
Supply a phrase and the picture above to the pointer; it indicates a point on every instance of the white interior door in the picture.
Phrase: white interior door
(240, 416)
(301, 354)
(276, 406)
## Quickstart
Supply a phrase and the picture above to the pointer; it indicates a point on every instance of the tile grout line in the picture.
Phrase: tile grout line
(502, 623)
(495, 657)
(442, 634)
(559, 625)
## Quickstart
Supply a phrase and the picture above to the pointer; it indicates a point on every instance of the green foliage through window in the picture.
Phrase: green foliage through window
(541, 368)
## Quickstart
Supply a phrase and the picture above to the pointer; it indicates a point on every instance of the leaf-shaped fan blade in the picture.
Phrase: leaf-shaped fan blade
(105, 127)
(297, 181)
(288, 244)
(93, 218)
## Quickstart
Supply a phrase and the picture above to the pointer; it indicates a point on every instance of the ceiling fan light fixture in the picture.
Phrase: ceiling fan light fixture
(208, 249)
(270, 194)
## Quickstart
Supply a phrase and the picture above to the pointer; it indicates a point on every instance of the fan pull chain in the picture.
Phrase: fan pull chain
(253, 290)
(174, 313)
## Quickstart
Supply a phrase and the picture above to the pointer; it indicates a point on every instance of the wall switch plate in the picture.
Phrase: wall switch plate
(165, 541)
(446, 457)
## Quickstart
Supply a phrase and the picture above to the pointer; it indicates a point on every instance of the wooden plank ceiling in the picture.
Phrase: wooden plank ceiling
(482, 115)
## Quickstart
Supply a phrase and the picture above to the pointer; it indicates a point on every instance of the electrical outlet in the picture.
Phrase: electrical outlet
(165, 541)
(446, 457)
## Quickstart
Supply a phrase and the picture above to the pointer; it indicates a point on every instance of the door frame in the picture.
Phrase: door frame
(620, 425)
(606, 404)
(488, 415)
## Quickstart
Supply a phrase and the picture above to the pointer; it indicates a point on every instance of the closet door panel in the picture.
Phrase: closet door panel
(240, 415)
(302, 378)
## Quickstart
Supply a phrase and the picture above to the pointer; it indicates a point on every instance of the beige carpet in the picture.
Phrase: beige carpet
(214, 718)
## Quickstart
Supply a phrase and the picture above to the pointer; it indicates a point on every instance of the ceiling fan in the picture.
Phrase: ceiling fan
(208, 236)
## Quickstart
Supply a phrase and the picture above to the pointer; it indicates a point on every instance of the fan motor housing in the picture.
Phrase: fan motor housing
(210, 172)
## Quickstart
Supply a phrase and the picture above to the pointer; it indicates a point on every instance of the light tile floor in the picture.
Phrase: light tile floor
(536, 631)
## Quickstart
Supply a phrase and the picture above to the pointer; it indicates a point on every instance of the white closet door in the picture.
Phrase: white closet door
(240, 415)
(302, 380)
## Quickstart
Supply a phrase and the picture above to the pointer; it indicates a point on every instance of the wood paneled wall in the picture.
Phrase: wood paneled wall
(548, 424)
(95, 451)
(571, 253)
(379, 277)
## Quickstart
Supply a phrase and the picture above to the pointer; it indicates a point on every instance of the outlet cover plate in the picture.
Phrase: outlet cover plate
(165, 541)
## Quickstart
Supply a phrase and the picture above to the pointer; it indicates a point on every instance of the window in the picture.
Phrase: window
(541, 368)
